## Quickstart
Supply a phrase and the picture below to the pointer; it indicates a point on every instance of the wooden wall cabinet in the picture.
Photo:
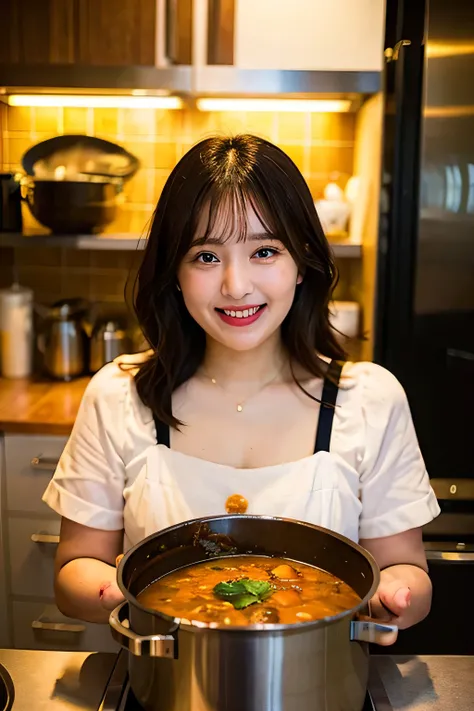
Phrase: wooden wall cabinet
(96, 32)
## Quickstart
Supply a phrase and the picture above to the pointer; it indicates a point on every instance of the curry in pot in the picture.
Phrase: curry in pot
(246, 590)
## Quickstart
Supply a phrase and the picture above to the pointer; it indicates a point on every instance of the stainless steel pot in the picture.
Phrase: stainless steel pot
(108, 341)
(313, 666)
(81, 206)
(74, 183)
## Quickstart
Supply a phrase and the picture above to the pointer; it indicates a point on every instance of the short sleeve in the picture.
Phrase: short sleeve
(87, 486)
(395, 487)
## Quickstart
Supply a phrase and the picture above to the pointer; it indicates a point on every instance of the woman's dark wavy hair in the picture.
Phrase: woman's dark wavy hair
(223, 177)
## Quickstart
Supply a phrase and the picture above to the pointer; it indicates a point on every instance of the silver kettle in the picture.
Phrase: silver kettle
(109, 340)
(63, 341)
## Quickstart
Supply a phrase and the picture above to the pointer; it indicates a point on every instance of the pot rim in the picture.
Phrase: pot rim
(196, 626)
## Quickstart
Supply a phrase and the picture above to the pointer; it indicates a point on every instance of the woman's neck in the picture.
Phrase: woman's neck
(258, 366)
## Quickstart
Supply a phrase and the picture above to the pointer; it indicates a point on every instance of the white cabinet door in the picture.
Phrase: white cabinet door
(40, 625)
(32, 546)
(324, 35)
(30, 464)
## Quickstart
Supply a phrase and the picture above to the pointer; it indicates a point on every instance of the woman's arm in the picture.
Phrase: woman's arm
(405, 587)
(85, 574)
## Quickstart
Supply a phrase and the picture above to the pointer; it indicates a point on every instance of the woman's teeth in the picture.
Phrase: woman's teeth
(242, 314)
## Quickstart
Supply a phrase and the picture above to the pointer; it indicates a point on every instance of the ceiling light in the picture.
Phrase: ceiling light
(303, 105)
(96, 101)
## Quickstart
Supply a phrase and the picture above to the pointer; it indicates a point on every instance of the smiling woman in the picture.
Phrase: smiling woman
(243, 402)
(236, 226)
(239, 282)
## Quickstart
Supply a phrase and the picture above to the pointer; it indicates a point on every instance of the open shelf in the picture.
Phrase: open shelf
(121, 241)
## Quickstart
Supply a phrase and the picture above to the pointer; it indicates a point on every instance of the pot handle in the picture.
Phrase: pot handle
(26, 188)
(373, 632)
(157, 645)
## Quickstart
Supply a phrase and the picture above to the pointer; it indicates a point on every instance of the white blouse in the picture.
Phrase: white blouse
(373, 483)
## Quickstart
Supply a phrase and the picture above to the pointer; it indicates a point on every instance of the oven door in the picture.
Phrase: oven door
(448, 628)
(449, 545)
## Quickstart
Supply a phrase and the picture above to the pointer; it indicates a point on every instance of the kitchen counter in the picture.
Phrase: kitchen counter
(425, 683)
(39, 407)
(57, 680)
(73, 680)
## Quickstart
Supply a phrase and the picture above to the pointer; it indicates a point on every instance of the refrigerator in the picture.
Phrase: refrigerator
(424, 316)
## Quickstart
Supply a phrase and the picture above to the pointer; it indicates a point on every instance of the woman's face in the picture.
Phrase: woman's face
(239, 292)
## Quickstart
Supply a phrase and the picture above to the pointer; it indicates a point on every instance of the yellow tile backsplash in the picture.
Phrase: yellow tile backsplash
(75, 120)
(104, 121)
(293, 126)
(46, 119)
(320, 144)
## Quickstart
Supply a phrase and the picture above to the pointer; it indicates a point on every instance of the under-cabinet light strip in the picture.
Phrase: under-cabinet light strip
(96, 101)
(303, 105)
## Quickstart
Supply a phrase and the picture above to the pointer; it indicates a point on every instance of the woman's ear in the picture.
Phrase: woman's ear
(299, 279)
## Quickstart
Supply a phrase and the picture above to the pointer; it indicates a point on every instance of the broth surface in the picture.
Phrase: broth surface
(245, 590)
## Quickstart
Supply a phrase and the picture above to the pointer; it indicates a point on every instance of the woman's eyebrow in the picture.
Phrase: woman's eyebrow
(253, 236)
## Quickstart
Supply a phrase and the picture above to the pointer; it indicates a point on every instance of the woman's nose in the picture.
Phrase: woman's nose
(236, 282)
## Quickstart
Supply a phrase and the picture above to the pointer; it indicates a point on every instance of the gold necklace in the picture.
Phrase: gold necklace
(240, 405)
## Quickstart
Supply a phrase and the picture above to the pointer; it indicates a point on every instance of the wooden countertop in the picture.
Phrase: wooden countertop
(39, 406)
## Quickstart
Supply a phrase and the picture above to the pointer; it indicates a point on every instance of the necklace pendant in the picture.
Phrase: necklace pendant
(239, 408)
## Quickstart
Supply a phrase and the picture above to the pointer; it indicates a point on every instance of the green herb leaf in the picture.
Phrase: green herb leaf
(242, 593)
(259, 588)
(241, 601)
(235, 587)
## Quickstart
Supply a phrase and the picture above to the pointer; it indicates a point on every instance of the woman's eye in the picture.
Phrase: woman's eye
(265, 253)
(206, 258)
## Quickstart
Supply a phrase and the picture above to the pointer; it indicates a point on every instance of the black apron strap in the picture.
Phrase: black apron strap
(328, 404)
(162, 432)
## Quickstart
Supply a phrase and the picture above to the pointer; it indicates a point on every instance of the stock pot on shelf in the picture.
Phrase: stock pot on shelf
(74, 184)
(320, 665)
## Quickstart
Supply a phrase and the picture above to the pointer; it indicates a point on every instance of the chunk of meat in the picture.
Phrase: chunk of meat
(264, 614)
(286, 598)
(285, 572)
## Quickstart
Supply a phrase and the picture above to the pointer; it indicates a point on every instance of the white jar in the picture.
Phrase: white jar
(344, 316)
(16, 332)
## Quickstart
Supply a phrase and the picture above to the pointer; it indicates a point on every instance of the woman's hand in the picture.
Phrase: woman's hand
(391, 601)
(388, 606)
(402, 599)
(86, 573)
(110, 596)
(404, 594)
(109, 592)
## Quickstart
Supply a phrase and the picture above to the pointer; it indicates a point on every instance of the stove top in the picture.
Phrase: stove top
(129, 702)
(120, 697)
(83, 681)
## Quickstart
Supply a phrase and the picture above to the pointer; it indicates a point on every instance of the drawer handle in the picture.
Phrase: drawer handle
(44, 463)
(45, 538)
(450, 556)
(57, 627)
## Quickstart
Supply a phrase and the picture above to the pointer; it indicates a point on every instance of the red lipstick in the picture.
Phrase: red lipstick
(235, 314)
